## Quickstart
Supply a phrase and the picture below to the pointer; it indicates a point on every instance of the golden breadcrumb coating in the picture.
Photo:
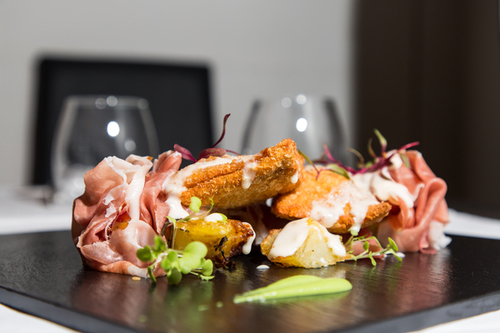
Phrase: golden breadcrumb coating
(299, 202)
(246, 179)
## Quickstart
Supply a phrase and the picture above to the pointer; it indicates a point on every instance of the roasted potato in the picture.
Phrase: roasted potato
(224, 239)
(312, 251)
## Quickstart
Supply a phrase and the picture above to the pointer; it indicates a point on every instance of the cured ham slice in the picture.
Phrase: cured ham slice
(421, 211)
(121, 210)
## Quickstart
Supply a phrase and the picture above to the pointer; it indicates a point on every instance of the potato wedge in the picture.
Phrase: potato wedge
(224, 239)
(303, 243)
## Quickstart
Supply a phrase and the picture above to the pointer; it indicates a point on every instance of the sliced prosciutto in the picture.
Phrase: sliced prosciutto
(419, 212)
(121, 210)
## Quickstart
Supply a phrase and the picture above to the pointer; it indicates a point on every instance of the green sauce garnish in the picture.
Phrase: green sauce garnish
(295, 286)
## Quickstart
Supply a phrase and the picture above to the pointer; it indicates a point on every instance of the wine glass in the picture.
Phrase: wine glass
(93, 127)
(309, 120)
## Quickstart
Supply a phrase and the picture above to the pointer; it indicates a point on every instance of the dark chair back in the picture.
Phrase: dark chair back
(178, 95)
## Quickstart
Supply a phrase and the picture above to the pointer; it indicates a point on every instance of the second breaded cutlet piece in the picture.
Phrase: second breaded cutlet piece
(239, 181)
(332, 200)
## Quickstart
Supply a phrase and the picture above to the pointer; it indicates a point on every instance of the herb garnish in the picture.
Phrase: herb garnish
(392, 248)
(212, 151)
(377, 163)
(176, 262)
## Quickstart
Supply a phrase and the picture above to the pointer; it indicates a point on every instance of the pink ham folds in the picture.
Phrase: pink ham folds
(419, 213)
(121, 211)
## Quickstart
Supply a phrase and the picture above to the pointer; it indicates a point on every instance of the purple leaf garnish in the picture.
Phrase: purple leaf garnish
(212, 151)
(378, 161)
(330, 157)
(186, 154)
(223, 130)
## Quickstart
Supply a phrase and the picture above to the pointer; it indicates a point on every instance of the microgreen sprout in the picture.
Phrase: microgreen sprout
(361, 160)
(175, 262)
(376, 163)
(212, 151)
(332, 167)
(391, 248)
(195, 207)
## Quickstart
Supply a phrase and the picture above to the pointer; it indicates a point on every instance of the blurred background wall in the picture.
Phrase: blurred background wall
(255, 49)
(424, 70)
(429, 71)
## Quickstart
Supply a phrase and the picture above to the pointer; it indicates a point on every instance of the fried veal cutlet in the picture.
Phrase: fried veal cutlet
(237, 181)
(332, 200)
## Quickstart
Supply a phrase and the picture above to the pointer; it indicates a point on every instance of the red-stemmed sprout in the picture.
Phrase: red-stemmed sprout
(212, 151)
(377, 163)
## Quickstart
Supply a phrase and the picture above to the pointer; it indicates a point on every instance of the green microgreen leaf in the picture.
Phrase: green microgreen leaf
(151, 275)
(377, 163)
(405, 159)
(195, 204)
(370, 255)
(159, 246)
(392, 244)
(196, 248)
(390, 249)
(309, 161)
(207, 268)
(339, 170)
(166, 264)
(144, 254)
(382, 140)
(176, 262)
(184, 265)
(206, 277)
(172, 256)
(370, 149)
(174, 276)
(361, 160)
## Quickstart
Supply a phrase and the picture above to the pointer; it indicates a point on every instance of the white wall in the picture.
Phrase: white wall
(257, 48)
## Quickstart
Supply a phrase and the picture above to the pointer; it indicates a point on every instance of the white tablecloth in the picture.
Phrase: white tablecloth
(23, 210)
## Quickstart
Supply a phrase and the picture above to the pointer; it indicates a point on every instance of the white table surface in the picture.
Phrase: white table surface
(22, 210)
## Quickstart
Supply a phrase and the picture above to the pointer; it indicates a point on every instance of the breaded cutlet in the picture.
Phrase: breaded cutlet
(299, 203)
(246, 179)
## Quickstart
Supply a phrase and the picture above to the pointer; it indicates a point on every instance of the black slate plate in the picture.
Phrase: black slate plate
(41, 274)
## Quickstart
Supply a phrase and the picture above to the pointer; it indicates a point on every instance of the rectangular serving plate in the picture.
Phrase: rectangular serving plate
(42, 274)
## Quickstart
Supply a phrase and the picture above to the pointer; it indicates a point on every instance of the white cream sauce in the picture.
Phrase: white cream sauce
(328, 211)
(381, 184)
(249, 173)
(295, 178)
(173, 186)
(214, 217)
(294, 234)
(248, 245)
(437, 239)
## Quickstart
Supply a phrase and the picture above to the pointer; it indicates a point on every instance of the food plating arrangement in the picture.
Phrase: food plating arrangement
(150, 218)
